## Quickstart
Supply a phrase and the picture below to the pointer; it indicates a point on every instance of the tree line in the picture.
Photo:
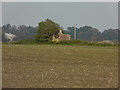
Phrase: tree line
(47, 28)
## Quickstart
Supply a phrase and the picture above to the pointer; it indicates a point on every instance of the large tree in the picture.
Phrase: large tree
(110, 34)
(46, 30)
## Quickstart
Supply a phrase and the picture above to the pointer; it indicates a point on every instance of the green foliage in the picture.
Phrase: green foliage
(46, 30)
(86, 33)
(22, 32)
(71, 42)
(27, 41)
(111, 34)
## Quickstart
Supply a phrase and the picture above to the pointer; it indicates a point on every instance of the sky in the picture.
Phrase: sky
(100, 15)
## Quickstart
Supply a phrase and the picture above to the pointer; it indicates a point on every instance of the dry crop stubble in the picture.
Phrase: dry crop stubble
(58, 66)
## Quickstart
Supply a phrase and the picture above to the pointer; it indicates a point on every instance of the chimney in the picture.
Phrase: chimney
(60, 31)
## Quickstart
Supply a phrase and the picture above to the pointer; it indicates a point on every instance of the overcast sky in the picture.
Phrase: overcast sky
(99, 15)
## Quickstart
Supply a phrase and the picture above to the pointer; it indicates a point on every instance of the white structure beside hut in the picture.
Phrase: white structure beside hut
(9, 36)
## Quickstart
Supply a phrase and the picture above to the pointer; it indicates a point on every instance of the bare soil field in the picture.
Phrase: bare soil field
(59, 66)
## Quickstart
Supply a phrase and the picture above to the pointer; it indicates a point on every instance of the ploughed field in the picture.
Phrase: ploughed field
(59, 66)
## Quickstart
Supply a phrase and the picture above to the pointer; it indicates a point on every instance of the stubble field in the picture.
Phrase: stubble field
(59, 66)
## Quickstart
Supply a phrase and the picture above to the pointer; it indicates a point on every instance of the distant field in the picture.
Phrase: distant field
(59, 66)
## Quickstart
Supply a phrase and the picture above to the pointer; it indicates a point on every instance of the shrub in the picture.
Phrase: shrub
(71, 42)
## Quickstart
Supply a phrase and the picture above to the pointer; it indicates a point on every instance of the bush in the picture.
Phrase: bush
(71, 42)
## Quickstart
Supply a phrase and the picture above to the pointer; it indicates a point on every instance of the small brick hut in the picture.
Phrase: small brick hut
(61, 37)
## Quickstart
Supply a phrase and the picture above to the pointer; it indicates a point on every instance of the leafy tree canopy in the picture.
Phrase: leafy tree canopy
(46, 30)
